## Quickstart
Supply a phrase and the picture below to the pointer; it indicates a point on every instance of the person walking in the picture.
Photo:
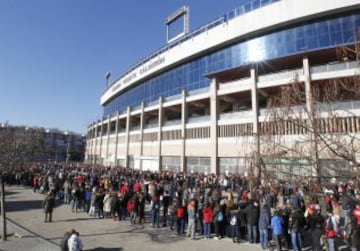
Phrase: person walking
(48, 205)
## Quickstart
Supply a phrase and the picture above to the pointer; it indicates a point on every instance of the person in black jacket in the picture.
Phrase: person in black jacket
(165, 203)
(297, 223)
(48, 205)
(252, 217)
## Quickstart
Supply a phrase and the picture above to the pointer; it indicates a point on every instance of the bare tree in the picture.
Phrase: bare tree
(17, 144)
(329, 129)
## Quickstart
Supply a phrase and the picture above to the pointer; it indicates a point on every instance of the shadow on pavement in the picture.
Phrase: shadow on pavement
(9, 193)
(74, 219)
(106, 249)
(12, 206)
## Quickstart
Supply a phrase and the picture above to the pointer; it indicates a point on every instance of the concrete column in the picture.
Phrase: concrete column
(142, 122)
(95, 140)
(108, 139)
(256, 131)
(254, 101)
(160, 125)
(315, 168)
(101, 140)
(307, 79)
(213, 127)
(116, 137)
(90, 140)
(127, 136)
(184, 115)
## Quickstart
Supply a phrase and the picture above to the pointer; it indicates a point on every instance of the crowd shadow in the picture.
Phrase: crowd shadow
(14, 206)
(105, 249)
(10, 193)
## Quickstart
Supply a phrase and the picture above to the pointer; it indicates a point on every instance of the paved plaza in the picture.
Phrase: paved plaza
(29, 232)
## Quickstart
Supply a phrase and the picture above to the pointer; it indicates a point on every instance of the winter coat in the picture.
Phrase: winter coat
(277, 225)
(265, 216)
(252, 214)
(107, 202)
(75, 243)
(207, 215)
(49, 204)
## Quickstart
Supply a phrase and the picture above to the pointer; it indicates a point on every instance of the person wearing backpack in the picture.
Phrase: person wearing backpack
(331, 228)
(218, 221)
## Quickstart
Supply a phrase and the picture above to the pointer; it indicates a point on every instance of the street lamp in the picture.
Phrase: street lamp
(67, 146)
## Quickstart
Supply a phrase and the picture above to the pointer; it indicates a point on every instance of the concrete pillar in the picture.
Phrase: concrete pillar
(108, 139)
(256, 130)
(142, 122)
(101, 140)
(116, 137)
(160, 125)
(184, 115)
(315, 168)
(214, 163)
(95, 142)
(127, 136)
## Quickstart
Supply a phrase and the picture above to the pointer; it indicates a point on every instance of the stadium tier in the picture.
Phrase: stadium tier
(254, 91)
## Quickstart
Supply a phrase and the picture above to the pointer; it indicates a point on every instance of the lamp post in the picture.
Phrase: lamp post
(67, 147)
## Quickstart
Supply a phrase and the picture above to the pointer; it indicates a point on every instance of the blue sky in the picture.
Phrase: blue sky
(54, 54)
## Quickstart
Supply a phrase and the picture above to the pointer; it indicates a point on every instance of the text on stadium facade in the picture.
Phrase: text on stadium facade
(132, 76)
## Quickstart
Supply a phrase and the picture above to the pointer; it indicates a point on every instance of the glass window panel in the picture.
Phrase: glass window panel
(300, 33)
(255, 4)
(357, 21)
(265, 2)
(300, 45)
(247, 7)
(310, 30)
(324, 40)
(240, 10)
(322, 28)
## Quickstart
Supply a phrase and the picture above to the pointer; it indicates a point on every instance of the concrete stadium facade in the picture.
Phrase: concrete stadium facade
(198, 103)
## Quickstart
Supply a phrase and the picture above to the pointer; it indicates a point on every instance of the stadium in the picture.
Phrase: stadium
(205, 101)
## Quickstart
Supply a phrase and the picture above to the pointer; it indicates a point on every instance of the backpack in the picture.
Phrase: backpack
(131, 206)
(220, 216)
(180, 212)
(330, 231)
(233, 220)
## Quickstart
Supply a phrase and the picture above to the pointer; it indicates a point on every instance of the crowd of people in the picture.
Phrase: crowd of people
(275, 215)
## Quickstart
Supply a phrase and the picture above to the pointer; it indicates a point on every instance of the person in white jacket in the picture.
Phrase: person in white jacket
(107, 204)
(74, 242)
